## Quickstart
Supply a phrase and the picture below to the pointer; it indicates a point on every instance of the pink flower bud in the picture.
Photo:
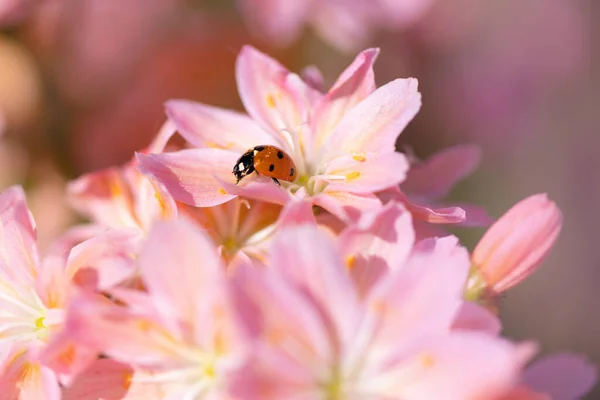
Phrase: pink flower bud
(516, 244)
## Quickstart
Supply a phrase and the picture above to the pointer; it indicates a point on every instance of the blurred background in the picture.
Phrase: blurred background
(83, 82)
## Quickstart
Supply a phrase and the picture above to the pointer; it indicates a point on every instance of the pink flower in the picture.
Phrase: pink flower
(181, 336)
(394, 342)
(33, 296)
(514, 247)
(342, 142)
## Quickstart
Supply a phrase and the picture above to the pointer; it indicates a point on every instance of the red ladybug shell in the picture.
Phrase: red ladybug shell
(274, 163)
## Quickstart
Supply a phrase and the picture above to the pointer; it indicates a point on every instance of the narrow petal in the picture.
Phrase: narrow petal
(271, 94)
(473, 317)
(192, 176)
(23, 379)
(162, 138)
(354, 84)
(434, 178)
(262, 188)
(347, 206)
(297, 213)
(563, 376)
(207, 126)
(374, 124)
(195, 269)
(367, 173)
(18, 251)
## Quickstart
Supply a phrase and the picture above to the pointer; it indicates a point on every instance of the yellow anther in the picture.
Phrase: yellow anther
(352, 175)
(222, 191)
(427, 361)
(161, 203)
(351, 261)
(359, 157)
(271, 101)
(127, 378)
(39, 323)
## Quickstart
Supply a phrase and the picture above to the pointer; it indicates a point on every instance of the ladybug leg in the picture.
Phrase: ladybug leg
(276, 181)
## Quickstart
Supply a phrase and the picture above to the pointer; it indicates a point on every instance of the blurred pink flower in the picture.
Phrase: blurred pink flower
(182, 334)
(33, 295)
(395, 342)
(514, 247)
(341, 142)
(347, 24)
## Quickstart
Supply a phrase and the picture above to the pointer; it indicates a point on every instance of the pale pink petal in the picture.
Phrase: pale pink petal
(110, 255)
(18, 251)
(195, 271)
(192, 176)
(162, 138)
(347, 206)
(259, 188)
(434, 177)
(564, 376)
(23, 379)
(412, 302)
(110, 380)
(309, 259)
(473, 317)
(475, 216)
(207, 126)
(456, 367)
(449, 215)
(271, 94)
(72, 237)
(297, 212)
(353, 85)
(380, 241)
(374, 124)
(105, 197)
(367, 173)
(66, 356)
(118, 332)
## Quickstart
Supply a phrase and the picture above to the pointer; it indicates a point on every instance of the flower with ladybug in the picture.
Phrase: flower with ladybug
(334, 148)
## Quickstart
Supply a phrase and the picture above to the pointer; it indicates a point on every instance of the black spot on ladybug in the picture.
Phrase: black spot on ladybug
(259, 148)
(271, 168)
(292, 172)
(280, 154)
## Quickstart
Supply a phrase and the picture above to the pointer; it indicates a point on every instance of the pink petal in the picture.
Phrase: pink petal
(195, 269)
(374, 124)
(563, 376)
(206, 126)
(434, 178)
(192, 176)
(475, 216)
(473, 317)
(412, 298)
(110, 255)
(260, 188)
(313, 77)
(105, 197)
(461, 366)
(18, 251)
(382, 240)
(354, 84)
(347, 206)
(66, 356)
(162, 138)
(309, 259)
(118, 332)
(23, 379)
(368, 173)
(110, 380)
(297, 212)
(271, 94)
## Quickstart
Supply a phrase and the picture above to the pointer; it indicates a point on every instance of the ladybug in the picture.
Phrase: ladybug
(265, 160)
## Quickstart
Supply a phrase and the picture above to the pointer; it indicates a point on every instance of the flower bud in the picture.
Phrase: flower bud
(513, 248)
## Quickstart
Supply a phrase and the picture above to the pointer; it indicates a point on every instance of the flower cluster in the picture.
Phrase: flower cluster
(339, 284)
